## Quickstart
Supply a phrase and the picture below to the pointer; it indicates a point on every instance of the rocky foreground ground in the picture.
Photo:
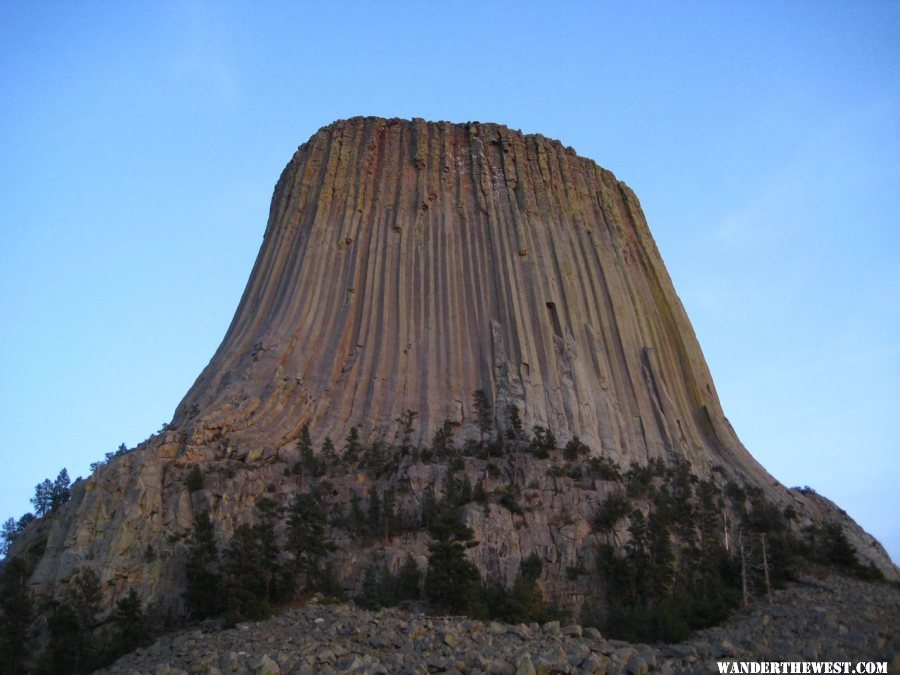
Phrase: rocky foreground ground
(835, 619)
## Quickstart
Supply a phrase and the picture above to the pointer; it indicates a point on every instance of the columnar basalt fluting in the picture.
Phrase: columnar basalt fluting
(407, 264)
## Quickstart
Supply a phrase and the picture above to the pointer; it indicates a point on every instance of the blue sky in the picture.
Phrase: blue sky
(140, 142)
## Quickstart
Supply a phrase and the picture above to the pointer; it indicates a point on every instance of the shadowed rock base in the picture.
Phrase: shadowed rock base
(832, 620)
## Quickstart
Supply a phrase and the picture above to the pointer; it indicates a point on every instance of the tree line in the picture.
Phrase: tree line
(76, 642)
(678, 553)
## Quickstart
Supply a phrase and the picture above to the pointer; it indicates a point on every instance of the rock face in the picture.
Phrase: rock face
(405, 265)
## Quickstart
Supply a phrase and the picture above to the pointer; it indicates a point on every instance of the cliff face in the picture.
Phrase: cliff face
(407, 264)
(404, 266)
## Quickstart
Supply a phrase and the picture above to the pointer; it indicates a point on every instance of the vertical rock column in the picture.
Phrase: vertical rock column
(406, 264)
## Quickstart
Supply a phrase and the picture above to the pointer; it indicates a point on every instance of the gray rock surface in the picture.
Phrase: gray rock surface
(835, 619)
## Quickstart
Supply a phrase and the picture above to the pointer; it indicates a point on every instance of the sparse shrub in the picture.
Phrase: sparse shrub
(638, 480)
(543, 442)
(605, 469)
(509, 499)
(575, 449)
(611, 511)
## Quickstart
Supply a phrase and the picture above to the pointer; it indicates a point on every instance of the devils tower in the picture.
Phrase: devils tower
(406, 265)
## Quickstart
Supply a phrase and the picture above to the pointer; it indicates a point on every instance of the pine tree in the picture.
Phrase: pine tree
(304, 440)
(638, 554)
(516, 429)
(203, 595)
(388, 513)
(442, 442)
(66, 650)
(8, 536)
(662, 559)
(15, 615)
(306, 538)
(327, 583)
(307, 458)
(465, 491)
(72, 647)
(43, 497)
(25, 521)
(278, 582)
(61, 490)
(356, 519)
(484, 413)
(244, 576)
(452, 582)
(84, 595)
(526, 601)
(836, 548)
(407, 427)
(129, 624)
(327, 453)
(429, 508)
(611, 511)
(368, 596)
(408, 580)
(682, 499)
(452, 489)
(351, 447)
(374, 520)
(374, 459)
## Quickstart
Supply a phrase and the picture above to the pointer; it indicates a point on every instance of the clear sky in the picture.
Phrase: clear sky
(140, 143)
